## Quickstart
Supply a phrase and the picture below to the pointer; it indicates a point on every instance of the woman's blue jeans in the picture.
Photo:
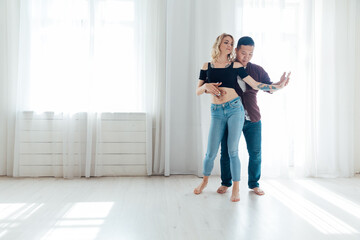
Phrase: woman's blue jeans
(252, 134)
(231, 115)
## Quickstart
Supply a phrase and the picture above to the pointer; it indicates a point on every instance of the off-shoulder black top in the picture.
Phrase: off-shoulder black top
(228, 75)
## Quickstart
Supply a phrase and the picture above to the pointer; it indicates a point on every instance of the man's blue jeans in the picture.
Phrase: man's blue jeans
(229, 115)
(252, 134)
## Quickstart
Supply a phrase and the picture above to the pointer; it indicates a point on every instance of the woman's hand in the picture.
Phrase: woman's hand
(284, 80)
(213, 89)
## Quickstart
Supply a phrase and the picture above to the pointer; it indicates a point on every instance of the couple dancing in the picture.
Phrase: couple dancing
(233, 83)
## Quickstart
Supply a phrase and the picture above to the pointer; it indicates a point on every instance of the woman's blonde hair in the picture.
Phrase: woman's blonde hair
(215, 53)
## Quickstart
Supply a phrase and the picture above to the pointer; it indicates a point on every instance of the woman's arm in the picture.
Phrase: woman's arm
(200, 88)
(262, 86)
(257, 85)
(284, 78)
(207, 87)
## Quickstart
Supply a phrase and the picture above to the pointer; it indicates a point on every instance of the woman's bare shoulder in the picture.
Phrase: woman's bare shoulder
(205, 66)
(237, 65)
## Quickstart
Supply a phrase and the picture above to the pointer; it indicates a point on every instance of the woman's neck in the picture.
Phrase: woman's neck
(222, 59)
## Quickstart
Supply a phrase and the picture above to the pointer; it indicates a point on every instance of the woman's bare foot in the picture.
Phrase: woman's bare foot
(201, 187)
(222, 189)
(235, 196)
(258, 191)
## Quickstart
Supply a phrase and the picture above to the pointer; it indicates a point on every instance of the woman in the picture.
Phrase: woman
(226, 109)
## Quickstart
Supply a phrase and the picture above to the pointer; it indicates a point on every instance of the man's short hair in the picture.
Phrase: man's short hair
(247, 41)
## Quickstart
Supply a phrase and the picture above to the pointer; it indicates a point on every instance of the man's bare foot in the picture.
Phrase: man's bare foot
(235, 197)
(222, 189)
(201, 187)
(258, 191)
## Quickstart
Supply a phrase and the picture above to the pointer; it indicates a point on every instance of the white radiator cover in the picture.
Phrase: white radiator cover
(123, 144)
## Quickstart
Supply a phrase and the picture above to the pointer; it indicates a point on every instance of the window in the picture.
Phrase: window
(82, 56)
(275, 27)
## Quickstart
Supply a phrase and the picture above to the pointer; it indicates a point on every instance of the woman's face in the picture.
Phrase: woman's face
(227, 45)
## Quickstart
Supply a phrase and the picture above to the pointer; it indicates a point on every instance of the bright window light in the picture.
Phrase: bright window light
(320, 219)
(8, 209)
(81, 210)
(17, 211)
(275, 26)
(337, 200)
(3, 233)
(13, 214)
(76, 233)
(83, 220)
(74, 223)
(82, 57)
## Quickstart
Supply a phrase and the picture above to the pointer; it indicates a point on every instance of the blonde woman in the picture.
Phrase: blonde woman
(217, 78)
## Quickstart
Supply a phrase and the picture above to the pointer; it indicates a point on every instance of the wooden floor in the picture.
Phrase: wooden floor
(165, 208)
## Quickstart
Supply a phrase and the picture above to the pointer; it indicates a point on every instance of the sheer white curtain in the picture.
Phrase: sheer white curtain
(309, 126)
(66, 63)
(273, 26)
(312, 121)
(306, 120)
(334, 59)
(192, 27)
(9, 38)
(357, 92)
(152, 67)
(2, 87)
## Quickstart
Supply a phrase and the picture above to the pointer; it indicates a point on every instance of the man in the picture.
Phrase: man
(252, 125)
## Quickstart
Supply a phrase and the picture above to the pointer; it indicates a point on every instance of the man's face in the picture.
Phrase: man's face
(244, 54)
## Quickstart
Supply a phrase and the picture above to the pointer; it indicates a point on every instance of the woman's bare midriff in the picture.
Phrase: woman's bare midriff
(230, 95)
